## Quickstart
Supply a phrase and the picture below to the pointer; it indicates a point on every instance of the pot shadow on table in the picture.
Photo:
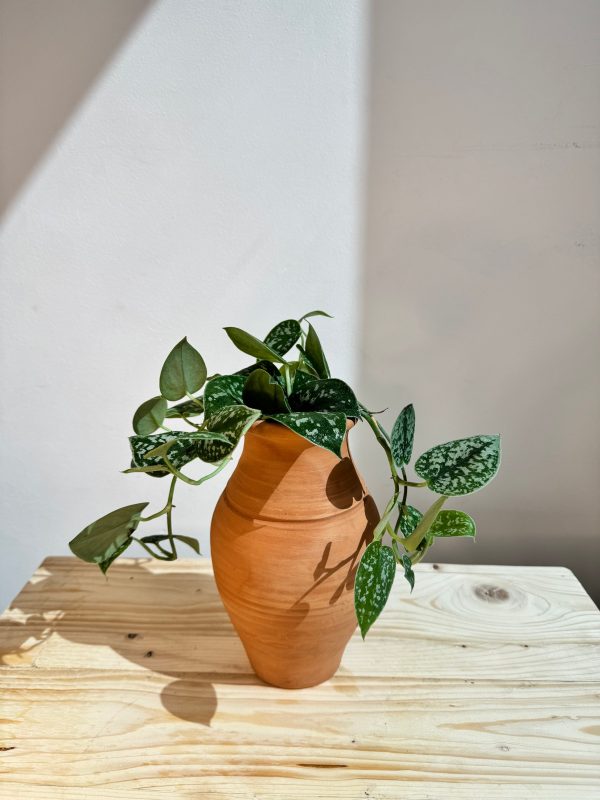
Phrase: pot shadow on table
(171, 622)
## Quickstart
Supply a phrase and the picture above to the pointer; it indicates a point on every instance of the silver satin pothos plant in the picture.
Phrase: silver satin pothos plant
(296, 391)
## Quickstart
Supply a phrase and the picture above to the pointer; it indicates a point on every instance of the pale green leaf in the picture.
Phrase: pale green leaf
(150, 415)
(100, 542)
(403, 434)
(461, 466)
(324, 429)
(183, 372)
(374, 579)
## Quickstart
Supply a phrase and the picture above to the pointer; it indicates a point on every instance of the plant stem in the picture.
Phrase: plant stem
(169, 508)
(177, 474)
(195, 399)
(167, 557)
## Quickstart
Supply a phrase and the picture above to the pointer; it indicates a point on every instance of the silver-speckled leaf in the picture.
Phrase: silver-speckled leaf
(408, 571)
(232, 422)
(106, 538)
(374, 579)
(183, 450)
(302, 377)
(268, 366)
(453, 523)
(321, 428)
(283, 336)
(330, 394)
(189, 408)
(225, 390)
(403, 435)
(410, 519)
(461, 466)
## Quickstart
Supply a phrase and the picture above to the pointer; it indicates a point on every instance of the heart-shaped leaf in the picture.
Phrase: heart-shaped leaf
(107, 537)
(189, 408)
(251, 345)
(150, 415)
(183, 372)
(374, 579)
(408, 571)
(222, 391)
(403, 435)
(302, 377)
(453, 523)
(232, 422)
(324, 429)
(314, 353)
(181, 447)
(283, 336)
(461, 466)
(330, 394)
(262, 392)
(104, 565)
(410, 519)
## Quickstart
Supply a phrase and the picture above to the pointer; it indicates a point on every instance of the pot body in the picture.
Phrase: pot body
(287, 535)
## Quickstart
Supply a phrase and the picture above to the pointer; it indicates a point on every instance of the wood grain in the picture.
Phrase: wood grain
(482, 683)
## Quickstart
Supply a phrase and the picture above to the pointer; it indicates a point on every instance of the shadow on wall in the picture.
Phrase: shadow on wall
(50, 55)
(477, 239)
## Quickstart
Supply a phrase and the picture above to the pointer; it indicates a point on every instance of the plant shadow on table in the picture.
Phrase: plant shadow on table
(172, 623)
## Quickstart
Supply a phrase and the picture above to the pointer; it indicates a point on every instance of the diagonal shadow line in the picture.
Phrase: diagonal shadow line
(51, 54)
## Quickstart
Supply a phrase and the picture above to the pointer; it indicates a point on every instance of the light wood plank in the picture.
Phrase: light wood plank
(483, 682)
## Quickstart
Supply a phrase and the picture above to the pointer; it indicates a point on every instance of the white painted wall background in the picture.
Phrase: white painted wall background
(213, 175)
(210, 177)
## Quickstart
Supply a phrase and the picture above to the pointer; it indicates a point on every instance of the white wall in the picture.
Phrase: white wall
(210, 177)
(481, 280)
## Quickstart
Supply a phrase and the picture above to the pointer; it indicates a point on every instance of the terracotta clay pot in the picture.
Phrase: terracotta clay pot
(286, 538)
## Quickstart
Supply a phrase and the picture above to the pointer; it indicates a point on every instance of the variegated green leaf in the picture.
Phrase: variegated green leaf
(303, 377)
(374, 579)
(183, 372)
(314, 352)
(403, 434)
(316, 314)
(283, 336)
(106, 538)
(225, 390)
(251, 345)
(181, 447)
(409, 520)
(324, 429)
(453, 523)
(408, 571)
(461, 466)
(150, 415)
(232, 422)
(189, 408)
(268, 366)
(330, 394)
(264, 393)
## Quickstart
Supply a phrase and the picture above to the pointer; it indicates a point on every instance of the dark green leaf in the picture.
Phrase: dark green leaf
(410, 519)
(374, 580)
(225, 390)
(408, 571)
(330, 394)
(189, 408)
(251, 345)
(181, 447)
(190, 541)
(461, 466)
(283, 336)
(314, 352)
(304, 374)
(183, 372)
(316, 314)
(262, 392)
(232, 422)
(268, 366)
(104, 565)
(403, 435)
(104, 538)
(150, 415)
(453, 523)
(321, 428)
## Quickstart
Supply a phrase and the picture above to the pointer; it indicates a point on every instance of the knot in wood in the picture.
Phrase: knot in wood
(491, 594)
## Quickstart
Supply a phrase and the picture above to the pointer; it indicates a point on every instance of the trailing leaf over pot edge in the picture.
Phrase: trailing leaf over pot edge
(294, 389)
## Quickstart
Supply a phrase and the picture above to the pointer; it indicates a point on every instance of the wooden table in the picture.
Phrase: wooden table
(484, 683)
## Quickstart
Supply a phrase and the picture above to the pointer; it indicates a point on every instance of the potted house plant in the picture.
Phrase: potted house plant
(300, 552)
